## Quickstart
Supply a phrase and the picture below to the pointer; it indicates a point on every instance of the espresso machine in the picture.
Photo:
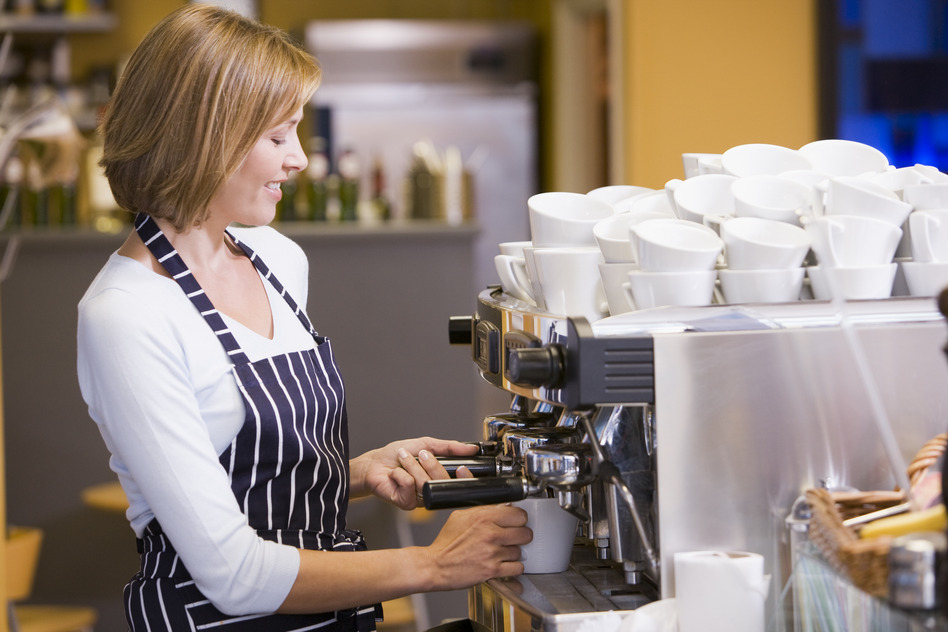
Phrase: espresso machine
(687, 428)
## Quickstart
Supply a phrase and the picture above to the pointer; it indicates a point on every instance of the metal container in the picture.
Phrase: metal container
(915, 566)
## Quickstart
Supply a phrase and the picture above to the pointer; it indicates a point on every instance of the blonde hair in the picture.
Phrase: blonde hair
(196, 95)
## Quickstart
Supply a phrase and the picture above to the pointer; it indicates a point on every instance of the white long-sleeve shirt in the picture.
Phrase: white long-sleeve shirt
(159, 385)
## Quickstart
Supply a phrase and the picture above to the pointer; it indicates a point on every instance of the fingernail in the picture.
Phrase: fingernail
(403, 453)
(424, 455)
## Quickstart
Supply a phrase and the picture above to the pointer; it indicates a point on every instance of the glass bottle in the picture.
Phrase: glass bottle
(349, 171)
(317, 172)
(380, 204)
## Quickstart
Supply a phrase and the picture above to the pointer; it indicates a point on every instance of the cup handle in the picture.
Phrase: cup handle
(513, 274)
(627, 289)
(833, 230)
(670, 187)
(929, 222)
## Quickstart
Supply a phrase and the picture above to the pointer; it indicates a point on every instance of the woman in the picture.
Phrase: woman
(221, 406)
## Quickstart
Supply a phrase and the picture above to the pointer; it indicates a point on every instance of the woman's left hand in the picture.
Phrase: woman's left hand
(397, 472)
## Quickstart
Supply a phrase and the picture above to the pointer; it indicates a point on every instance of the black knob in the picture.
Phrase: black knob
(541, 366)
(461, 330)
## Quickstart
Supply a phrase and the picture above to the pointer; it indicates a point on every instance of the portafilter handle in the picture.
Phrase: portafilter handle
(473, 492)
(479, 466)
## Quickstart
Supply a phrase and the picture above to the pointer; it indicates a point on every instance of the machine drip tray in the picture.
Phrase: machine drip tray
(557, 602)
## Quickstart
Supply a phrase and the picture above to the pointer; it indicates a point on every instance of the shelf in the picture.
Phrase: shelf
(58, 24)
(299, 231)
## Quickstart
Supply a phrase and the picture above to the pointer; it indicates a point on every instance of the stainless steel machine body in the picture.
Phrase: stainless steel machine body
(709, 422)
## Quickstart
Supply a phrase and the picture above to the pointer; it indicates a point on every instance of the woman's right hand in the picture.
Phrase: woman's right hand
(478, 544)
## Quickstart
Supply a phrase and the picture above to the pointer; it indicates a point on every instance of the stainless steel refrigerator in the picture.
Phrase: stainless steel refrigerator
(463, 88)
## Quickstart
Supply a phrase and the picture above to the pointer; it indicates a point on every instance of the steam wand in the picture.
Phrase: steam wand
(605, 469)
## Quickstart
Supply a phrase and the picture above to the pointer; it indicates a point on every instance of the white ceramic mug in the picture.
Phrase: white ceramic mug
(816, 181)
(514, 280)
(933, 174)
(562, 218)
(669, 245)
(762, 159)
(614, 193)
(754, 243)
(853, 240)
(655, 202)
(554, 532)
(702, 195)
(928, 231)
(772, 197)
(569, 281)
(852, 283)
(691, 162)
(925, 279)
(614, 276)
(646, 290)
(852, 195)
(612, 235)
(925, 197)
(762, 286)
(841, 157)
(513, 248)
(897, 180)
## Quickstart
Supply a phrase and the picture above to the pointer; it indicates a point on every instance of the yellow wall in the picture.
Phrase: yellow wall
(705, 76)
(701, 76)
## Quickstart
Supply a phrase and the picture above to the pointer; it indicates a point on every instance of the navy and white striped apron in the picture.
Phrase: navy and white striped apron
(288, 467)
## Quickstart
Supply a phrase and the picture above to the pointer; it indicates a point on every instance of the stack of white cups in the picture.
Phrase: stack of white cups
(676, 263)
(856, 240)
(927, 273)
(615, 242)
(764, 260)
(749, 219)
(558, 269)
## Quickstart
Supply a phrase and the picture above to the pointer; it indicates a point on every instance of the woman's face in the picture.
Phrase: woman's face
(250, 196)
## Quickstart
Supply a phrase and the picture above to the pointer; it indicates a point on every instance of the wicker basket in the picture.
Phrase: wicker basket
(865, 562)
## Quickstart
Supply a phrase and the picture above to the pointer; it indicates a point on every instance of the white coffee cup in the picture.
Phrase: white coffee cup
(561, 218)
(612, 235)
(925, 279)
(932, 173)
(841, 157)
(569, 281)
(772, 197)
(691, 162)
(702, 195)
(853, 240)
(816, 181)
(655, 202)
(646, 290)
(710, 164)
(762, 286)
(614, 276)
(852, 283)
(513, 276)
(615, 193)
(669, 245)
(535, 290)
(897, 180)
(924, 197)
(928, 231)
(755, 243)
(852, 195)
(762, 159)
(554, 532)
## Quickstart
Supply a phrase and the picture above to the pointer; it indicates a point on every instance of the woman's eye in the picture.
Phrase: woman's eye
(278, 141)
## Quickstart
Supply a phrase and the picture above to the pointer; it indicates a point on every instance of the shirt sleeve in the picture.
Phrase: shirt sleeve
(134, 363)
